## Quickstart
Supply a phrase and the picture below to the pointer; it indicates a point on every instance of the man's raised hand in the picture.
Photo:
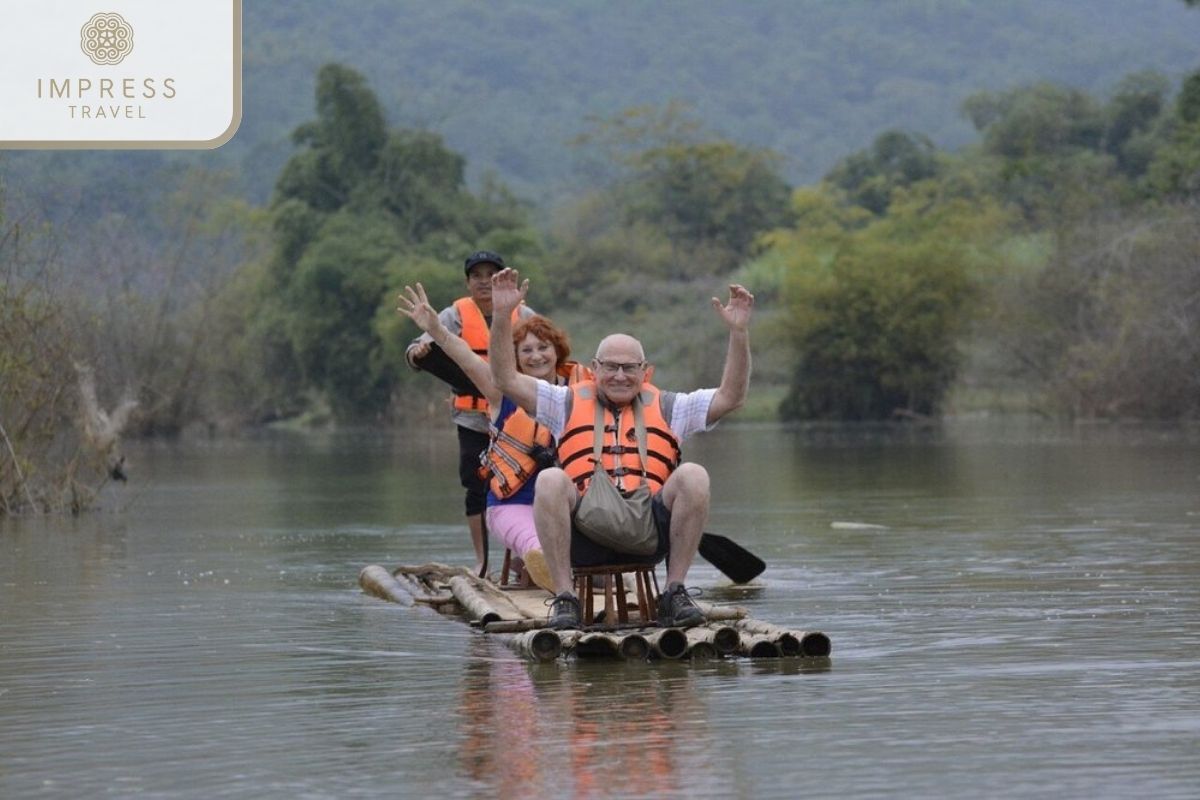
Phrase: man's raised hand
(736, 313)
(508, 291)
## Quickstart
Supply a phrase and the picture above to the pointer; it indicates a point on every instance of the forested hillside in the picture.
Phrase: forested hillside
(939, 206)
(510, 84)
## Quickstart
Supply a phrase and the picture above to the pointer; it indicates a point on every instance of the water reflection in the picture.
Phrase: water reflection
(588, 729)
(1022, 622)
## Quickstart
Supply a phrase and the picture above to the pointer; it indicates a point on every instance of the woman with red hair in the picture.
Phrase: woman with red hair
(519, 446)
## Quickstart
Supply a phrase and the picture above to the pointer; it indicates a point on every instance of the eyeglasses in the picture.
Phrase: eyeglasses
(613, 367)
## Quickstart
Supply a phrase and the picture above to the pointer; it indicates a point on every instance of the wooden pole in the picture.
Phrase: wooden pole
(714, 613)
(602, 644)
(702, 651)
(725, 638)
(539, 645)
(596, 645)
(722, 639)
(669, 643)
(791, 643)
(758, 645)
(424, 591)
(814, 644)
(378, 582)
(477, 606)
(515, 625)
(633, 647)
(788, 642)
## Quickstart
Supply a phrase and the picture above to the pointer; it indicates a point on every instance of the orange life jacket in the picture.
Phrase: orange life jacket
(572, 372)
(509, 461)
(475, 333)
(620, 461)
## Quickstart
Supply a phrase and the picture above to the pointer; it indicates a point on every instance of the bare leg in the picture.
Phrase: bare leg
(686, 495)
(475, 524)
(553, 499)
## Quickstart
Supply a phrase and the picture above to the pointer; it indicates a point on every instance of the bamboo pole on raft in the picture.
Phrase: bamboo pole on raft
(721, 638)
(515, 625)
(668, 643)
(787, 642)
(423, 588)
(378, 582)
(633, 647)
(715, 613)
(725, 638)
(758, 645)
(596, 644)
(538, 645)
(791, 643)
(814, 644)
(480, 608)
(630, 646)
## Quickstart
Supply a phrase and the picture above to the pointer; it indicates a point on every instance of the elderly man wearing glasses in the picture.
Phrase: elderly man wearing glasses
(621, 494)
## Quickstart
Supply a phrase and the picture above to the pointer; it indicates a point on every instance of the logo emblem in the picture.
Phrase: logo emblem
(106, 38)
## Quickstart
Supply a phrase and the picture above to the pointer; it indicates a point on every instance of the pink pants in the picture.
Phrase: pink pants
(512, 524)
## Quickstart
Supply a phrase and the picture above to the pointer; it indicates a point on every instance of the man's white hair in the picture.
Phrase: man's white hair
(620, 340)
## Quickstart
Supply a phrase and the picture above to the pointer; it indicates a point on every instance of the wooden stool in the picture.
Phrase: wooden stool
(507, 569)
(614, 589)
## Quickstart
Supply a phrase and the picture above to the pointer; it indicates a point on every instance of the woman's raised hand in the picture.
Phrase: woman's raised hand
(414, 304)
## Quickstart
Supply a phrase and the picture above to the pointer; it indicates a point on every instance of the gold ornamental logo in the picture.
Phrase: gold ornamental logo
(106, 38)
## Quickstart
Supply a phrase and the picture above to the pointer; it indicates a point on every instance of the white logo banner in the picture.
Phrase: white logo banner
(158, 74)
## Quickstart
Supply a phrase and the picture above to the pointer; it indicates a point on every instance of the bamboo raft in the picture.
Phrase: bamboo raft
(518, 617)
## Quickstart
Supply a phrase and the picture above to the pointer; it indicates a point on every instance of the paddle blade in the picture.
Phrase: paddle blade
(738, 563)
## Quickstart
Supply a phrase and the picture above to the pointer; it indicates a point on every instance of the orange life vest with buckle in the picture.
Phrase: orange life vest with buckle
(619, 452)
(509, 460)
(475, 333)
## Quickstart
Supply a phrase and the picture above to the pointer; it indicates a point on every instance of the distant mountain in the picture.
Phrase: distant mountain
(509, 83)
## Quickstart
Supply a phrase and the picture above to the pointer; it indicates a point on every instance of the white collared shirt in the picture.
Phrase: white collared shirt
(688, 410)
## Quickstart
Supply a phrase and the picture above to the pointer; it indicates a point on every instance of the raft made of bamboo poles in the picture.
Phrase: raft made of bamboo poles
(518, 617)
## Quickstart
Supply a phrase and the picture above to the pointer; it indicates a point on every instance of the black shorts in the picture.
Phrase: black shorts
(471, 445)
(586, 553)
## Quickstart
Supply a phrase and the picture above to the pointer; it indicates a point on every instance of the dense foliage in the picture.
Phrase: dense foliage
(357, 209)
(1048, 263)
(1054, 256)
(509, 84)
(876, 307)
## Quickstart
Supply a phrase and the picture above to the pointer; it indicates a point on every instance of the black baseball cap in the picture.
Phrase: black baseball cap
(483, 257)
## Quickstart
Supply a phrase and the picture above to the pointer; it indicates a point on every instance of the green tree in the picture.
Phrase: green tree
(334, 292)
(1109, 327)
(707, 198)
(1132, 119)
(895, 159)
(354, 206)
(876, 313)
(717, 196)
(1174, 171)
(343, 143)
(1045, 144)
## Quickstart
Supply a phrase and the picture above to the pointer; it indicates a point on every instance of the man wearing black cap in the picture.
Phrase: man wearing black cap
(469, 317)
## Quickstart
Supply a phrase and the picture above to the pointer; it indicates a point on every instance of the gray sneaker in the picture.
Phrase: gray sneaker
(676, 609)
(564, 612)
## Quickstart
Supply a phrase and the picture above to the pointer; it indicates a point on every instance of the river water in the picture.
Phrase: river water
(1014, 610)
